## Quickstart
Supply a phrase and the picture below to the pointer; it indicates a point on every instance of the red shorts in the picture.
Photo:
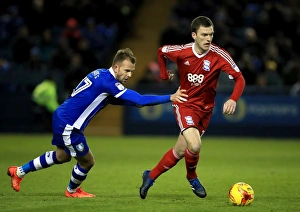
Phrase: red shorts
(187, 117)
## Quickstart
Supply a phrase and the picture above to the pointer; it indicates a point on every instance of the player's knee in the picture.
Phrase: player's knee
(88, 164)
(195, 148)
(63, 157)
(87, 161)
(179, 152)
(92, 163)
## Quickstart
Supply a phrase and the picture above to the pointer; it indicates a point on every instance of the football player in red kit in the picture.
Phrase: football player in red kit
(199, 66)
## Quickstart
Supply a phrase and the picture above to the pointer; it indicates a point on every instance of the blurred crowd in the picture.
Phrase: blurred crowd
(76, 36)
(262, 37)
(68, 36)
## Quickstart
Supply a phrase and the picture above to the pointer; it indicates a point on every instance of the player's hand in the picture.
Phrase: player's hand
(170, 75)
(179, 96)
(229, 107)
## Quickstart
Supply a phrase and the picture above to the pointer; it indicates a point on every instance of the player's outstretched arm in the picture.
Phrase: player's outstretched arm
(133, 98)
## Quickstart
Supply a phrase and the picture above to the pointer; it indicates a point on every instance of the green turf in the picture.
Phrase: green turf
(271, 167)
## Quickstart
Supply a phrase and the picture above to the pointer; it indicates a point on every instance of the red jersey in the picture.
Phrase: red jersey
(199, 74)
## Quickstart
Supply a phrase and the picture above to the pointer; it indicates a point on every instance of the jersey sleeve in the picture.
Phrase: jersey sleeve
(112, 86)
(131, 97)
(164, 53)
(118, 101)
(124, 96)
(238, 87)
(234, 73)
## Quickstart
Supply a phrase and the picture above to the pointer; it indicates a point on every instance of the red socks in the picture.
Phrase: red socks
(169, 160)
(191, 161)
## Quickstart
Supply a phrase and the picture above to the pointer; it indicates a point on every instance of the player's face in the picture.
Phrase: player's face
(203, 39)
(124, 70)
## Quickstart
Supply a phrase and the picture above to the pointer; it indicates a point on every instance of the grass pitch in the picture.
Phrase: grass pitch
(270, 166)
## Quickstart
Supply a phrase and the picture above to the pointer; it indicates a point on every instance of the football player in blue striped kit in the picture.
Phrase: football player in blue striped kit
(98, 89)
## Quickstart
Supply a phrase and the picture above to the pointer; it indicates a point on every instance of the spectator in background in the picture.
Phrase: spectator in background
(46, 45)
(271, 74)
(36, 16)
(254, 47)
(261, 81)
(86, 9)
(74, 72)
(10, 23)
(151, 77)
(34, 63)
(88, 56)
(21, 46)
(291, 70)
(249, 66)
(100, 36)
(295, 90)
(4, 65)
(44, 96)
(63, 11)
(175, 32)
(271, 53)
(72, 33)
(61, 56)
(95, 34)
(152, 74)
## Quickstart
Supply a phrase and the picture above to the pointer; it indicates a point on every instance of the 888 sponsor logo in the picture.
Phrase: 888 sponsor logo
(195, 79)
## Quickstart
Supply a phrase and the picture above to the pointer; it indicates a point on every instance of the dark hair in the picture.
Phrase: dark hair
(123, 54)
(201, 21)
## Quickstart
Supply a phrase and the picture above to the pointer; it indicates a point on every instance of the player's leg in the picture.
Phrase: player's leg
(192, 153)
(169, 160)
(85, 161)
(193, 140)
(194, 127)
(43, 161)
